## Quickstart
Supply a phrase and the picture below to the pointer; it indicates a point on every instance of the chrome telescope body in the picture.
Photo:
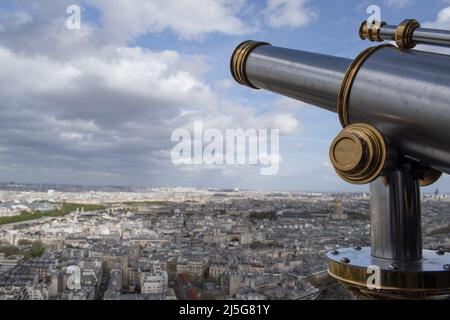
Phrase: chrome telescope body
(404, 94)
(407, 35)
(394, 106)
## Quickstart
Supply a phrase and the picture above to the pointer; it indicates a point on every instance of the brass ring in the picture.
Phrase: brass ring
(239, 59)
(415, 282)
(404, 33)
(371, 32)
(360, 277)
(347, 83)
(375, 32)
(359, 154)
(430, 177)
(364, 30)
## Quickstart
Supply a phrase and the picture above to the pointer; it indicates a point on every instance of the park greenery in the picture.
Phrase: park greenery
(270, 215)
(61, 210)
(29, 249)
(358, 216)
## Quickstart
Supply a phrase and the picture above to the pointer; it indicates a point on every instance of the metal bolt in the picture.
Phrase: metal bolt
(447, 267)
(440, 251)
(357, 248)
(393, 266)
(345, 260)
(334, 252)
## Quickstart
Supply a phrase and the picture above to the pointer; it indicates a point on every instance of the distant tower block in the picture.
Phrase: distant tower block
(338, 213)
(436, 194)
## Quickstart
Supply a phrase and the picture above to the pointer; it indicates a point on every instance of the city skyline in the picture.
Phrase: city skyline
(426, 191)
(184, 244)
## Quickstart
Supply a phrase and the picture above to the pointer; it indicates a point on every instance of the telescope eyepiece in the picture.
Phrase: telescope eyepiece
(239, 59)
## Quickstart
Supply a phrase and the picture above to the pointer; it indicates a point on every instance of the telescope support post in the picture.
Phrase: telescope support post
(395, 266)
(396, 228)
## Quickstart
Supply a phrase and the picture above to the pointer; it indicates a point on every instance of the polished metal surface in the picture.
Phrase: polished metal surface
(349, 79)
(309, 77)
(395, 266)
(432, 37)
(406, 95)
(404, 34)
(396, 229)
(239, 60)
(422, 278)
(430, 176)
(371, 32)
(387, 32)
(359, 154)
(424, 36)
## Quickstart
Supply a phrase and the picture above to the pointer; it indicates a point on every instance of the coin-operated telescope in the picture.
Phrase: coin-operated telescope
(394, 106)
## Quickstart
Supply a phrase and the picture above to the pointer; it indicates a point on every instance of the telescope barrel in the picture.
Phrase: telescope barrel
(309, 77)
(404, 94)
(432, 37)
(407, 35)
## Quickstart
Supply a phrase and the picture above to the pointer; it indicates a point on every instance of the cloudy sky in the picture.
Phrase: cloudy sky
(98, 105)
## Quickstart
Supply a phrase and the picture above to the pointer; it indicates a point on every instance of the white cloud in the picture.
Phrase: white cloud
(112, 112)
(326, 164)
(188, 19)
(82, 107)
(442, 21)
(289, 13)
(14, 19)
(40, 26)
(274, 159)
(288, 104)
(285, 122)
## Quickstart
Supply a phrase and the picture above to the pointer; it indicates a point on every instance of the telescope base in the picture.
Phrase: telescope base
(427, 278)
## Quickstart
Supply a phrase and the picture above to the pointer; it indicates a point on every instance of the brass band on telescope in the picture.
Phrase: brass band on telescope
(404, 34)
(359, 154)
(346, 88)
(371, 32)
(239, 59)
(430, 177)
(395, 282)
